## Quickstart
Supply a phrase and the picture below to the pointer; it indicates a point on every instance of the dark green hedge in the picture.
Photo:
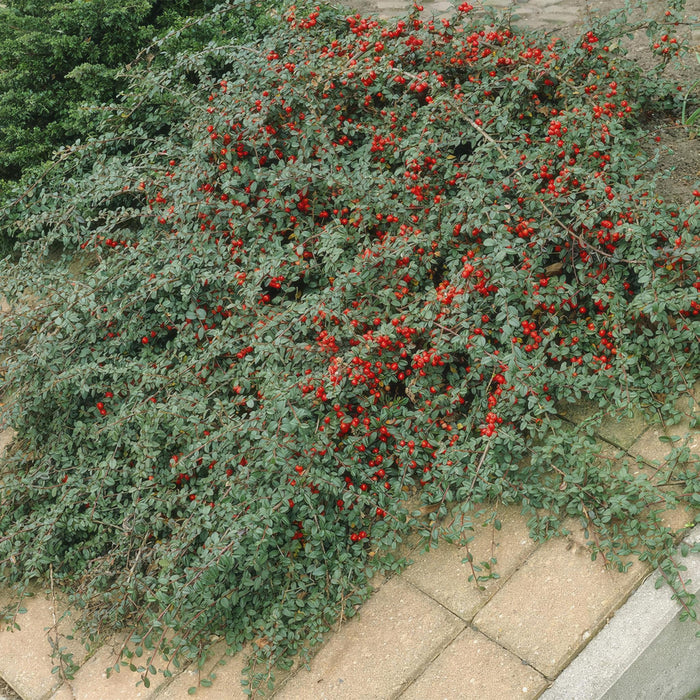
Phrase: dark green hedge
(57, 59)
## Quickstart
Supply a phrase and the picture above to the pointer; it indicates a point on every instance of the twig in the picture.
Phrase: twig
(55, 643)
(583, 243)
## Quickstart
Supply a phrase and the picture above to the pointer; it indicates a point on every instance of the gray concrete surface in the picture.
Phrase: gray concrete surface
(644, 652)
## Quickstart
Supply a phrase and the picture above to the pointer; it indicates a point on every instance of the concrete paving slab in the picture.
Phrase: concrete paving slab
(655, 444)
(619, 429)
(4, 309)
(377, 654)
(25, 654)
(555, 602)
(6, 437)
(644, 652)
(688, 405)
(545, 4)
(473, 667)
(442, 574)
(675, 519)
(654, 447)
(226, 673)
(91, 682)
(64, 692)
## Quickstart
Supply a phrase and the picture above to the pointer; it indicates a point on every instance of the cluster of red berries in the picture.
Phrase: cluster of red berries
(101, 405)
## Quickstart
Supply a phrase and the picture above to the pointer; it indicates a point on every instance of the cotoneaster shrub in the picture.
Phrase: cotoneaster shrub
(298, 288)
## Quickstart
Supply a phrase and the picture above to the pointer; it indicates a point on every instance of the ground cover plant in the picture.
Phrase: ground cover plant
(303, 291)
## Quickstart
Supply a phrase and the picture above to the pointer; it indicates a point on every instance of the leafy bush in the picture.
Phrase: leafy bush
(58, 57)
(298, 288)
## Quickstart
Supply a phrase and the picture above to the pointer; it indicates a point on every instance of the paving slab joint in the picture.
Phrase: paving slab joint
(417, 671)
(488, 593)
(420, 670)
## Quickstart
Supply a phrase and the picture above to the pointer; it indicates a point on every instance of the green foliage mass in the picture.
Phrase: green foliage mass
(59, 61)
(299, 286)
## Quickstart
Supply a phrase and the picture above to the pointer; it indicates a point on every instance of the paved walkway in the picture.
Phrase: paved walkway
(537, 14)
(428, 633)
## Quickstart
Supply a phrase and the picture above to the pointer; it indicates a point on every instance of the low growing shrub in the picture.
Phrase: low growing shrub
(298, 288)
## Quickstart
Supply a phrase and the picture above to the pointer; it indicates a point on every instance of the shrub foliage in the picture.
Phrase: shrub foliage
(316, 281)
(60, 60)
